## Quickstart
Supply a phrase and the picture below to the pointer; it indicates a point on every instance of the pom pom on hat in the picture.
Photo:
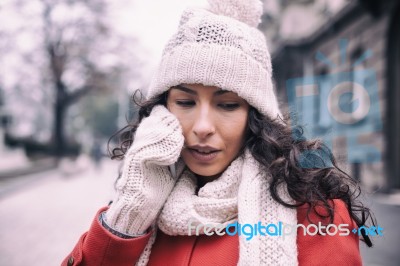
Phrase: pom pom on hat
(246, 11)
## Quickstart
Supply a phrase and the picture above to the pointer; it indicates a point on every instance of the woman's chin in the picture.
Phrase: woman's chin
(205, 173)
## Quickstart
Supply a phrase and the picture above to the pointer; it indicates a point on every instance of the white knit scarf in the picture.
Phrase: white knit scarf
(240, 194)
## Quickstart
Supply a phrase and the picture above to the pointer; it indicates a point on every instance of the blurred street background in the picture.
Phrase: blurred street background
(69, 68)
(44, 214)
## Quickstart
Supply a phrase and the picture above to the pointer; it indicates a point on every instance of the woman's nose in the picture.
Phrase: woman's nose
(203, 124)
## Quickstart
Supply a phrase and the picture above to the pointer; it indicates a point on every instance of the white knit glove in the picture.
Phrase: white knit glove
(146, 181)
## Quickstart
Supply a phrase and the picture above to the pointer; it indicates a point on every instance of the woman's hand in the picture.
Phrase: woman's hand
(146, 180)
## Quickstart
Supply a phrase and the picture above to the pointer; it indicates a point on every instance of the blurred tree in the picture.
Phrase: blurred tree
(100, 113)
(57, 51)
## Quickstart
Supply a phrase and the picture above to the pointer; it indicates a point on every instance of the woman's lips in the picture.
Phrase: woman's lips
(203, 157)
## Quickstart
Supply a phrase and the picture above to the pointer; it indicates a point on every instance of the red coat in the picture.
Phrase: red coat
(99, 247)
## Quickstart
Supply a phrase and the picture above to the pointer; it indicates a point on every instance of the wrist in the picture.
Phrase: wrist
(115, 232)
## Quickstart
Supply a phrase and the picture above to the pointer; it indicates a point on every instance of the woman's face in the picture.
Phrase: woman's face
(214, 124)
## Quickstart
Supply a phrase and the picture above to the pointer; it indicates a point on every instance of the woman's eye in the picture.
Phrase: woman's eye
(229, 106)
(185, 103)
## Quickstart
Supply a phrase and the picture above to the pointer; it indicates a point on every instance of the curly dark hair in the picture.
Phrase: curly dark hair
(281, 150)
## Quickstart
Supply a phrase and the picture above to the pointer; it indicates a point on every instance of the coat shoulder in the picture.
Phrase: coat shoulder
(320, 241)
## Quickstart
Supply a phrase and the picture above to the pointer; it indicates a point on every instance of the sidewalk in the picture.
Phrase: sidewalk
(42, 221)
(10, 184)
(37, 167)
(388, 199)
(385, 252)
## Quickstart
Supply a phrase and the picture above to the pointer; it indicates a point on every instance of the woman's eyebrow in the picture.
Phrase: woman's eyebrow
(184, 89)
(220, 92)
(187, 90)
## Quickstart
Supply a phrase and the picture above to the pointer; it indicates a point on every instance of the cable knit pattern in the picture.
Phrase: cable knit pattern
(146, 180)
(256, 204)
(240, 193)
(217, 48)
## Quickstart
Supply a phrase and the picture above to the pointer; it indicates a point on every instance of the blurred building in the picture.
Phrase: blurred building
(344, 81)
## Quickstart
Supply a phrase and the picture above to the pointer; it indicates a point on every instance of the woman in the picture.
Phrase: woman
(214, 175)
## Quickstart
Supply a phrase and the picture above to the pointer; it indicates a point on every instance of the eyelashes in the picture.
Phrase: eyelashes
(224, 106)
(229, 106)
(185, 103)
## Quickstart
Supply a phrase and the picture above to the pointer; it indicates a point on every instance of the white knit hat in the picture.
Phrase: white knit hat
(220, 47)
